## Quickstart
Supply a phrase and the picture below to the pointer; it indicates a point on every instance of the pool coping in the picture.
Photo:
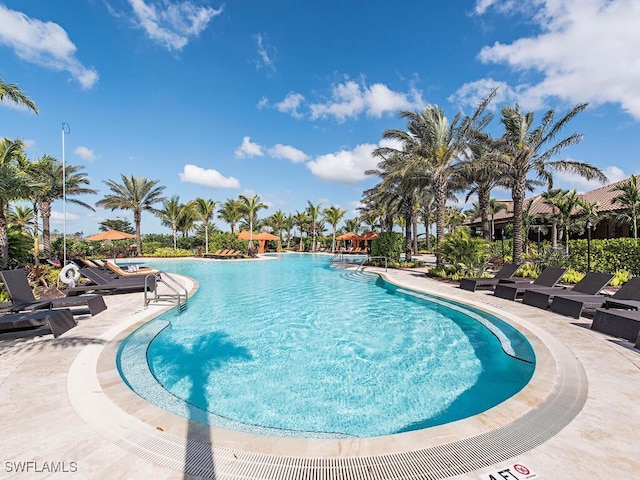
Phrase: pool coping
(141, 427)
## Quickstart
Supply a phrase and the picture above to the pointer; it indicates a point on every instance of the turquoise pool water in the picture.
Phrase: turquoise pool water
(294, 347)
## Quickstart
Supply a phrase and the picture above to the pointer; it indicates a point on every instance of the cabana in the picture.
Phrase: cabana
(262, 238)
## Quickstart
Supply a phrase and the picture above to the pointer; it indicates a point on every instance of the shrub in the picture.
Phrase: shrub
(466, 252)
(388, 244)
(572, 276)
(528, 270)
(170, 252)
(620, 277)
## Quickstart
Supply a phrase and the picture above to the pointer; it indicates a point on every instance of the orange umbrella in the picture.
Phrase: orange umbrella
(347, 236)
(261, 237)
(110, 235)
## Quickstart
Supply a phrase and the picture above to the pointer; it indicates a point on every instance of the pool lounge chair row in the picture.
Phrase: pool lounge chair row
(618, 314)
(59, 321)
(223, 254)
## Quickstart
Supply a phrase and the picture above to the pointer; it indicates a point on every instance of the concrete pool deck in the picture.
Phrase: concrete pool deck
(65, 410)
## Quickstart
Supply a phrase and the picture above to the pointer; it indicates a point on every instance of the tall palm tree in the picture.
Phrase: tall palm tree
(48, 172)
(15, 184)
(278, 221)
(13, 93)
(433, 147)
(204, 210)
(333, 215)
(136, 194)
(169, 216)
(231, 212)
(25, 219)
(250, 208)
(301, 220)
(629, 200)
(523, 150)
(552, 197)
(314, 213)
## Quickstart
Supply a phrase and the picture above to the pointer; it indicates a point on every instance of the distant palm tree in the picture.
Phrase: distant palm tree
(231, 212)
(204, 210)
(314, 213)
(629, 200)
(301, 220)
(278, 221)
(25, 220)
(15, 184)
(250, 208)
(169, 216)
(333, 215)
(13, 93)
(552, 197)
(495, 206)
(522, 150)
(135, 194)
(48, 172)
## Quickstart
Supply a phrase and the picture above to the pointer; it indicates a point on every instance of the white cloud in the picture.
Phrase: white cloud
(43, 43)
(584, 52)
(263, 52)
(171, 24)
(248, 149)
(58, 218)
(291, 104)
(473, 93)
(85, 153)
(207, 177)
(345, 166)
(349, 99)
(288, 152)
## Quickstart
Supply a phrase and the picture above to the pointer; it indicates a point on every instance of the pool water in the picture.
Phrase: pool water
(294, 347)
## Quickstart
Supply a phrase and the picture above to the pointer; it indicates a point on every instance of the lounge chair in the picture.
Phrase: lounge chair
(138, 272)
(591, 284)
(627, 297)
(108, 285)
(507, 271)
(619, 323)
(549, 277)
(59, 321)
(17, 286)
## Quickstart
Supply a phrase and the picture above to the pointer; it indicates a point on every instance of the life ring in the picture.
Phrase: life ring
(69, 274)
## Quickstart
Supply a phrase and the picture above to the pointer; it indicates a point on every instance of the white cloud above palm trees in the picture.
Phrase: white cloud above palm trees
(43, 43)
(207, 177)
(585, 52)
(172, 24)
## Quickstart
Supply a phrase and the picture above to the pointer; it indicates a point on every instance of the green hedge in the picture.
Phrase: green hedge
(609, 255)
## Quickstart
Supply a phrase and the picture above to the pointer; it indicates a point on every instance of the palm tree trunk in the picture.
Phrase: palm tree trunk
(4, 240)
(414, 224)
(484, 206)
(518, 193)
(137, 218)
(45, 212)
(440, 201)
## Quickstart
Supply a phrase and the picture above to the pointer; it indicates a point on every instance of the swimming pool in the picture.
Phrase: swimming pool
(293, 347)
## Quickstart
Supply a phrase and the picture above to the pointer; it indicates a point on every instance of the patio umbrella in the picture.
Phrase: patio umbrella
(110, 235)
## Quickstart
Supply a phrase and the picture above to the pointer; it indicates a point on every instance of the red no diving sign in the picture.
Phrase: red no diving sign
(517, 471)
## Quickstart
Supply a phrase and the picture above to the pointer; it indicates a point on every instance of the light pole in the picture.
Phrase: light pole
(588, 246)
(538, 238)
(65, 131)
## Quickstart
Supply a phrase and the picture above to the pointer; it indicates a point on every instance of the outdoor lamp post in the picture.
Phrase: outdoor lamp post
(588, 245)
(538, 238)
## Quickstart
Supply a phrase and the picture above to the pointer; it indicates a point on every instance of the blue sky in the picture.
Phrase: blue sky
(288, 99)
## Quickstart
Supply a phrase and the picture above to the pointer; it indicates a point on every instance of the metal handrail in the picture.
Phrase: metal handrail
(386, 263)
(174, 285)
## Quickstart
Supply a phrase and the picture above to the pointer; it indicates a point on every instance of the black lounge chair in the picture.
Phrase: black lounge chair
(101, 282)
(627, 297)
(591, 284)
(17, 286)
(618, 323)
(506, 272)
(549, 277)
(59, 321)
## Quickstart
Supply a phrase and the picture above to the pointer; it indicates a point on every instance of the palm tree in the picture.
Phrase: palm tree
(14, 94)
(432, 147)
(629, 200)
(301, 220)
(495, 206)
(314, 213)
(48, 172)
(522, 150)
(250, 208)
(278, 221)
(552, 198)
(15, 184)
(333, 215)
(136, 194)
(169, 216)
(204, 211)
(231, 212)
(25, 220)
(565, 205)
